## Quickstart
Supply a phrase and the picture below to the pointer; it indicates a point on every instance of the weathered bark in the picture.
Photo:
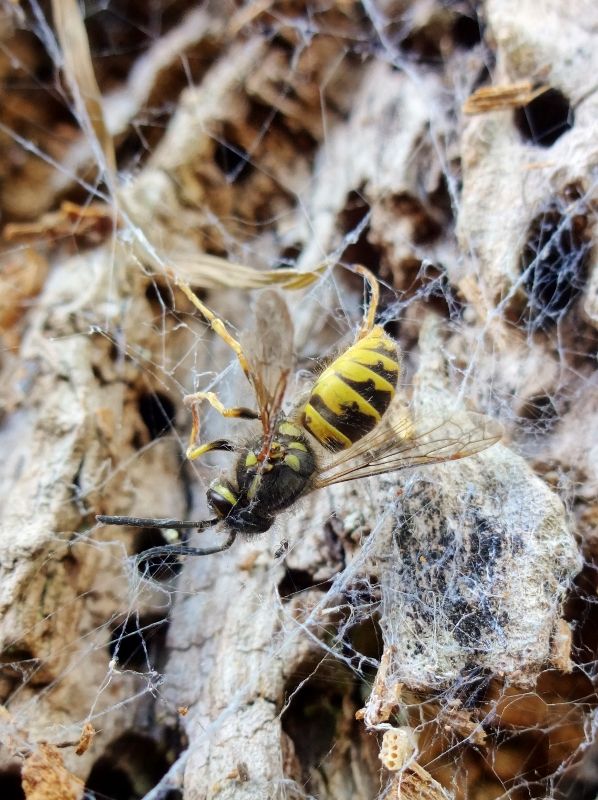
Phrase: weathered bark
(422, 616)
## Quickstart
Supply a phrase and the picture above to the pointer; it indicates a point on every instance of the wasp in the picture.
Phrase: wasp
(338, 433)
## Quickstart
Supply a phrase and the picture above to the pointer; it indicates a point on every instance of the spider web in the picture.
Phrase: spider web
(421, 634)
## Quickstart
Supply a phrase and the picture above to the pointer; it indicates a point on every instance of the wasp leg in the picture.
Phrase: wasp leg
(183, 550)
(194, 450)
(368, 321)
(218, 327)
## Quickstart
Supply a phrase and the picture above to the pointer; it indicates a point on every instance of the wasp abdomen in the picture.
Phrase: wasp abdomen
(352, 394)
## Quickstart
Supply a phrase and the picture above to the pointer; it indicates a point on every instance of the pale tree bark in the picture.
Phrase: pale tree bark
(414, 634)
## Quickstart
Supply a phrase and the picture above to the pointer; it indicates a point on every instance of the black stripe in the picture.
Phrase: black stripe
(391, 377)
(352, 422)
(390, 352)
(327, 441)
(377, 398)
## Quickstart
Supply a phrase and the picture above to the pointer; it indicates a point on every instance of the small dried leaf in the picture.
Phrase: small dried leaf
(87, 736)
(562, 643)
(91, 222)
(79, 72)
(210, 272)
(20, 280)
(501, 98)
(416, 783)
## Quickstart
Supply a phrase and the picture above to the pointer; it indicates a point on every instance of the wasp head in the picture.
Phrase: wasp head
(265, 484)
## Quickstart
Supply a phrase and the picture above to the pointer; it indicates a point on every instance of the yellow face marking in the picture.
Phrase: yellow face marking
(250, 460)
(323, 430)
(297, 446)
(292, 461)
(225, 492)
(288, 429)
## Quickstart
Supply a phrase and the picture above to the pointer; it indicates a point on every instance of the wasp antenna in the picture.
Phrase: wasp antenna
(151, 522)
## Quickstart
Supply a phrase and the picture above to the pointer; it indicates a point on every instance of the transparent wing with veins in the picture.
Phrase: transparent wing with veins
(411, 443)
(268, 349)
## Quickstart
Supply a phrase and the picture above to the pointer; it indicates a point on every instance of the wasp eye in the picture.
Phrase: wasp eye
(221, 498)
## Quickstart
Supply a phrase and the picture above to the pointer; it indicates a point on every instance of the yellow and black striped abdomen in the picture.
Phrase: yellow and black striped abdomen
(352, 394)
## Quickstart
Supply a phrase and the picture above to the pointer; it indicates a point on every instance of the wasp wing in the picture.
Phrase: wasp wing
(268, 348)
(407, 443)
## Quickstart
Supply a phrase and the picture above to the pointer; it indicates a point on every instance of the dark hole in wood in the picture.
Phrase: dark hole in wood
(545, 119)
(542, 411)
(158, 412)
(554, 262)
(129, 767)
(157, 567)
(288, 257)
(317, 691)
(233, 160)
(467, 31)
(298, 580)
(10, 785)
(352, 222)
(106, 780)
(138, 642)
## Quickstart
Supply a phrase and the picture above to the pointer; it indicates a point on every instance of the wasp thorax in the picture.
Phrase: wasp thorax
(269, 479)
